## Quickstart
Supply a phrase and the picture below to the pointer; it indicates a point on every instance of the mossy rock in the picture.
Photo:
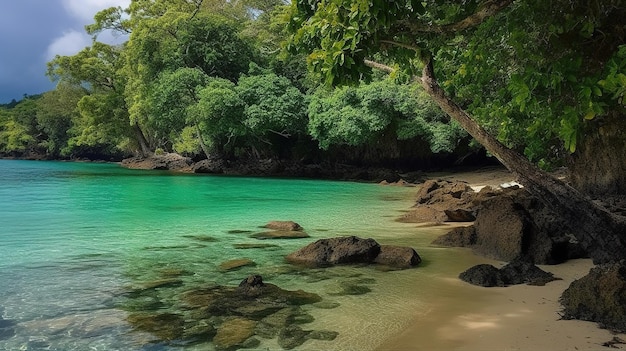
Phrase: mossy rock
(280, 234)
(233, 333)
(165, 326)
(232, 265)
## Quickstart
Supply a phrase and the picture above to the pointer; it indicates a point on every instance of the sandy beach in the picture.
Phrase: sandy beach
(520, 317)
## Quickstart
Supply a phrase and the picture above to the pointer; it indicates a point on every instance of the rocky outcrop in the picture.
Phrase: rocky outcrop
(516, 272)
(514, 225)
(353, 250)
(446, 201)
(599, 297)
(167, 161)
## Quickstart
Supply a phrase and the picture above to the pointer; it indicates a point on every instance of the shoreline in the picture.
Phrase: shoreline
(518, 317)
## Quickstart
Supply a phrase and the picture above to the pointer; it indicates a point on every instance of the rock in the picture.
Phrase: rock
(340, 250)
(599, 297)
(212, 166)
(397, 257)
(442, 201)
(522, 272)
(248, 246)
(283, 226)
(292, 336)
(483, 275)
(323, 335)
(235, 264)
(280, 234)
(251, 286)
(460, 215)
(233, 333)
(458, 237)
(165, 326)
(167, 161)
(516, 272)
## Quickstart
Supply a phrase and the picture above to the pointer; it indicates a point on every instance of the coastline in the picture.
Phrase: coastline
(519, 317)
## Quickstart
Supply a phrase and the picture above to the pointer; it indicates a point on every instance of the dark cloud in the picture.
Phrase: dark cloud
(32, 32)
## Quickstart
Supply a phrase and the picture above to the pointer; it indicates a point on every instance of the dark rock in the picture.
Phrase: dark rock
(323, 335)
(397, 256)
(522, 272)
(599, 297)
(458, 237)
(251, 286)
(248, 246)
(460, 215)
(212, 166)
(348, 288)
(280, 234)
(483, 275)
(283, 226)
(7, 330)
(341, 250)
(516, 272)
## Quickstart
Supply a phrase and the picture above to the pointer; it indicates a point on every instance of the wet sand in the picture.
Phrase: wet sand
(520, 317)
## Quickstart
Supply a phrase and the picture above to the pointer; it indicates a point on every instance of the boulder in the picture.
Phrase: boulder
(599, 297)
(283, 226)
(397, 257)
(167, 161)
(514, 225)
(325, 252)
(516, 272)
(212, 166)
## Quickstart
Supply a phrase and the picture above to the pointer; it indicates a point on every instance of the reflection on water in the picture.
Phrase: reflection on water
(95, 257)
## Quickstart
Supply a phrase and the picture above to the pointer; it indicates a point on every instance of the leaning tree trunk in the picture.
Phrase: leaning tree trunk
(203, 146)
(141, 139)
(600, 232)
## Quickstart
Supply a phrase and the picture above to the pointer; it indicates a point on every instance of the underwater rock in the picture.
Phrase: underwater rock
(235, 264)
(326, 335)
(165, 326)
(233, 333)
(280, 234)
(7, 330)
(202, 238)
(289, 226)
(254, 246)
(292, 336)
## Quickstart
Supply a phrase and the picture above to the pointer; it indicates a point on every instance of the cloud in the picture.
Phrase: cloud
(70, 43)
(84, 10)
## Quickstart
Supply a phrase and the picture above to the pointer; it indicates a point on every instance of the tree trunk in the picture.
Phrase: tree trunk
(600, 232)
(202, 143)
(141, 139)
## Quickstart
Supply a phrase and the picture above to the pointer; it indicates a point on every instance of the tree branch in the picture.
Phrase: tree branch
(378, 66)
(488, 9)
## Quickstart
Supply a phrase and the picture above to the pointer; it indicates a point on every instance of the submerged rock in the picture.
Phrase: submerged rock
(165, 326)
(599, 297)
(280, 234)
(235, 264)
(289, 226)
(233, 333)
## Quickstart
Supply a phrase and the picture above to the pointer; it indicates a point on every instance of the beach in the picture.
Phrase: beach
(520, 317)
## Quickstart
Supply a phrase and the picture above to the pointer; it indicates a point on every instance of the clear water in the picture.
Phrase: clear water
(74, 237)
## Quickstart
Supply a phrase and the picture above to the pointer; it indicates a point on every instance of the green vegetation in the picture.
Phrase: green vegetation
(209, 79)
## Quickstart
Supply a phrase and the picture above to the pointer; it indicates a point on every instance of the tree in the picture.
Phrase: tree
(340, 35)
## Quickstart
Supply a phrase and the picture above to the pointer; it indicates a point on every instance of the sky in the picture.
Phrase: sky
(32, 32)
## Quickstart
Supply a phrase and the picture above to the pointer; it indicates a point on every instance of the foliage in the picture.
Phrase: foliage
(364, 114)
(533, 71)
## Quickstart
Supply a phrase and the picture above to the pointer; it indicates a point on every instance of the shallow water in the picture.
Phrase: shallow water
(75, 237)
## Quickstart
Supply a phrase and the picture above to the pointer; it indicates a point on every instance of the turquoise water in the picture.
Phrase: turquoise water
(75, 237)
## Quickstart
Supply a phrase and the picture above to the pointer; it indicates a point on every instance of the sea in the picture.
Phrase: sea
(78, 240)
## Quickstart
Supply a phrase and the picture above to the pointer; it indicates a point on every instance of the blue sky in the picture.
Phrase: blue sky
(32, 32)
